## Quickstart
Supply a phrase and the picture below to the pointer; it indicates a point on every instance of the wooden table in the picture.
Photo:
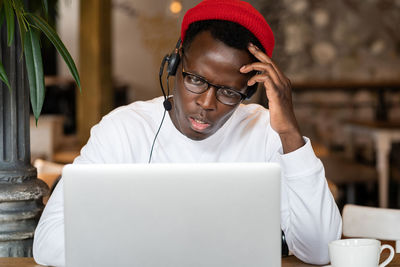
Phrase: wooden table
(290, 261)
(383, 134)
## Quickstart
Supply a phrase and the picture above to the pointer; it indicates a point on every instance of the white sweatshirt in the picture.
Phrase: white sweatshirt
(309, 216)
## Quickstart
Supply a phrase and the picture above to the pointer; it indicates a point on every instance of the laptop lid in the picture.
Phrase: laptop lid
(147, 215)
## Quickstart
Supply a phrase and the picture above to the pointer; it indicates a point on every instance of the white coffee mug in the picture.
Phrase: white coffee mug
(358, 253)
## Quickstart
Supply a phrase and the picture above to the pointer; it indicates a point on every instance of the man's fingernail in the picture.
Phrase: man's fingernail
(243, 67)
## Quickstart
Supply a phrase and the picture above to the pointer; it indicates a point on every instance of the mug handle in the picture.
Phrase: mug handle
(390, 258)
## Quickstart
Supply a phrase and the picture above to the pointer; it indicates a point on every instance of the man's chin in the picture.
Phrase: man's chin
(197, 136)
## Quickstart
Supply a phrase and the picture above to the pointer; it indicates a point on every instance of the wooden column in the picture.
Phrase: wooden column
(95, 65)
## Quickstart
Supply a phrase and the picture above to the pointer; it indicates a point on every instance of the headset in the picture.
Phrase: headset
(173, 61)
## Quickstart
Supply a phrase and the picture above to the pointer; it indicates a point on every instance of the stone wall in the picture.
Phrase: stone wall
(326, 41)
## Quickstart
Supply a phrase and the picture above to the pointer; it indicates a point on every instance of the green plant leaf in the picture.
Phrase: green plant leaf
(34, 68)
(22, 23)
(3, 76)
(58, 44)
(46, 8)
(18, 6)
(9, 12)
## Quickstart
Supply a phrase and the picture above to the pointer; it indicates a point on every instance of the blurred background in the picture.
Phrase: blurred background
(342, 57)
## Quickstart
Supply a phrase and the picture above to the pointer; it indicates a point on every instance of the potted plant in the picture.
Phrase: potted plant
(30, 26)
(21, 75)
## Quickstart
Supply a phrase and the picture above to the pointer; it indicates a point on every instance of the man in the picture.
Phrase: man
(225, 52)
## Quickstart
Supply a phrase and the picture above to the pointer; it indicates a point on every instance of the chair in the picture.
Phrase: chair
(46, 137)
(345, 172)
(369, 222)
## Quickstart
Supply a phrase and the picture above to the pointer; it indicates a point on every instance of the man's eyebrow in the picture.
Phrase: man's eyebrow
(196, 75)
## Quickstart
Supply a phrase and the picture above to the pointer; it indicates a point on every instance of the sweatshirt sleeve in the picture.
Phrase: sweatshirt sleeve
(310, 218)
(49, 241)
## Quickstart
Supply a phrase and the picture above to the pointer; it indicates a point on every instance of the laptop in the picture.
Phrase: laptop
(172, 215)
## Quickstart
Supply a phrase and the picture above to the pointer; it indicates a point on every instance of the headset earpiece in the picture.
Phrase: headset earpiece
(251, 90)
(173, 60)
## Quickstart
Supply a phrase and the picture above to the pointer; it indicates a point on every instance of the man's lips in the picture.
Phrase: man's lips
(198, 125)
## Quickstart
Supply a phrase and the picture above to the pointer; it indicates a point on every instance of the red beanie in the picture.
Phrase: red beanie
(232, 10)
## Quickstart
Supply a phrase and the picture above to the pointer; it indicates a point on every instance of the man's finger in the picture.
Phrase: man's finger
(262, 78)
(260, 55)
(263, 68)
(255, 66)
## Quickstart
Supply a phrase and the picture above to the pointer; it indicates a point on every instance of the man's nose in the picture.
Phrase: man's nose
(208, 99)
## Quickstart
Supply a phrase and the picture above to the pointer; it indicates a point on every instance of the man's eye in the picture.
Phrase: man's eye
(229, 93)
(195, 80)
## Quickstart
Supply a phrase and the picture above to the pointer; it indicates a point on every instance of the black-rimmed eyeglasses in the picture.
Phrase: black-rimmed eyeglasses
(199, 85)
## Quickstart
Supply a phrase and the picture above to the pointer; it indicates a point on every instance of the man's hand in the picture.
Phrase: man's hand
(279, 94)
